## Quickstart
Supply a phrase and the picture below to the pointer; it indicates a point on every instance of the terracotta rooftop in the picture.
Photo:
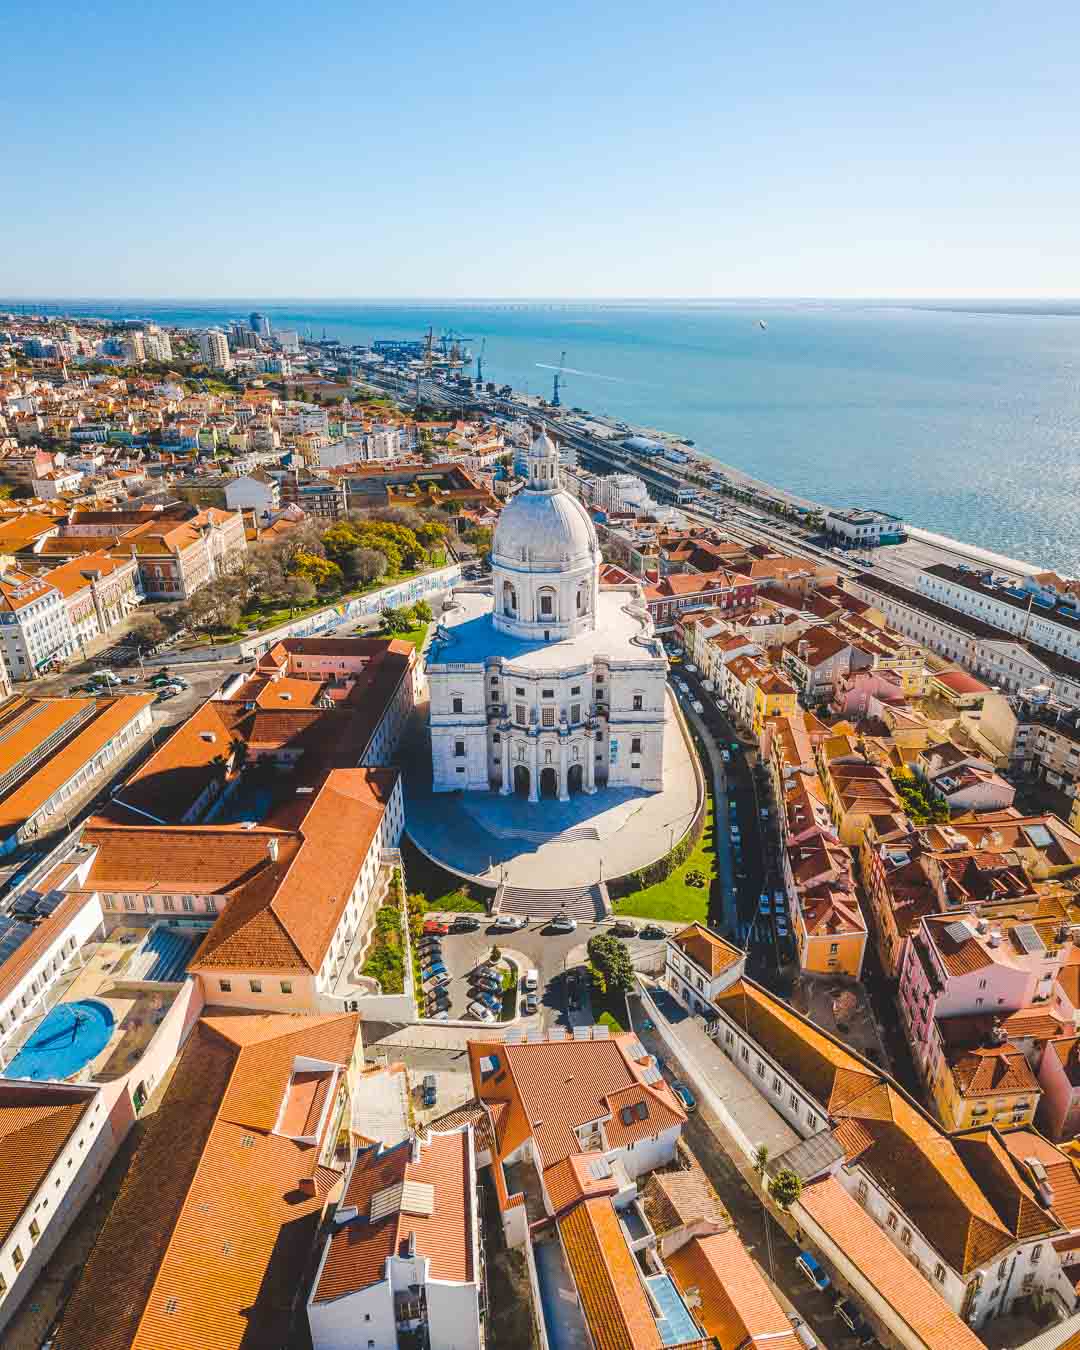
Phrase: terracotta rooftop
(211, 1233)
(733, 1300)
(708, 950)
(437, 1224)
(36, 1121)
(1028, 1145)
(616, 1307)
(912, 1297)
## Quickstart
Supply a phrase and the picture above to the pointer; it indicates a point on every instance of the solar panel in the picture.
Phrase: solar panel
(957, 932)
(48, 903)
(1027, 938)
(513, 1035)
(600, 1033)
(636, 1050)
(582, 1033)
(599, 1169)
(651, 1075)
(13, 933)
(556, 1033)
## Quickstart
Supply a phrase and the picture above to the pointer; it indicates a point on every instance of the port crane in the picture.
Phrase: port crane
(556, 402)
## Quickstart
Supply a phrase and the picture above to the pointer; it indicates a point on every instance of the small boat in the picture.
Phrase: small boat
(762, 324)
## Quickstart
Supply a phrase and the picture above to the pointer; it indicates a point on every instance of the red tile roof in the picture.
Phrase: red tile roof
(609, 1286)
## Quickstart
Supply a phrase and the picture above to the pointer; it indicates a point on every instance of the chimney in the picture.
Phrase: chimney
(272, 848)
(995, 937)
(306, 1186)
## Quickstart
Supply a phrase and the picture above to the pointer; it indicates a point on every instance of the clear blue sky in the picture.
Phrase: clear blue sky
(564, 149)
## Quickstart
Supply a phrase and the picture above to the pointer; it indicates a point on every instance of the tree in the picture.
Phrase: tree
(148, 630)
(364, 565)
(611, 959)
(299, 590)
(422, 612)
(396, 619)
(323, 574)
(786, 1187)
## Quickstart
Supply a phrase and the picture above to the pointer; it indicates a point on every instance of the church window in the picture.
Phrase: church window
(458, 704)
(547, 693)
(521, 754)
(549, 717)
(576, 689)
(575, 753)
(639, 703)
(582, 600)
(519, 714)
(509, 599)
(635, 745)
(575, 713)
(459, 749)
(547, 756)
(520, 692)
(547, 602)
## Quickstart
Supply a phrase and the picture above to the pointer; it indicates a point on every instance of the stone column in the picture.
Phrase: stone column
(507, 768)
(534, 769)
(589, 779)
(564, 792)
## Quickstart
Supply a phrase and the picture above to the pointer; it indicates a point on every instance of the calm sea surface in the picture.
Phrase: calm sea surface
(965, 421)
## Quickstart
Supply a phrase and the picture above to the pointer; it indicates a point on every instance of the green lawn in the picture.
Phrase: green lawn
(672, 898)
(414, 635)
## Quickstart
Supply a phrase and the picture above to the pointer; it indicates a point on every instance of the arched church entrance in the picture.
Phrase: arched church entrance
(574, 778)
(549, 783)
(521, 780)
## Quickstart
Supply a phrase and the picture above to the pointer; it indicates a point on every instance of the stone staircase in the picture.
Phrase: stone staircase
(588, 903)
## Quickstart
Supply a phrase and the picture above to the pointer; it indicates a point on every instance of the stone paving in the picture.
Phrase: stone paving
(492, 840)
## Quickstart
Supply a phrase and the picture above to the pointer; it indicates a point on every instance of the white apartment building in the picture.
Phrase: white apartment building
(863, 528)
(1024, 612)
(35, 630)
(414, 1211)
(214, 349)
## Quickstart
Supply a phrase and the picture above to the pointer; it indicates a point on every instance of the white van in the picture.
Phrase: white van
(532, 981)
(806, 1337)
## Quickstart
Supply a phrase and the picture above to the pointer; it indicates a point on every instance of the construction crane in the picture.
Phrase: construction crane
(556, 402)
(480, 362)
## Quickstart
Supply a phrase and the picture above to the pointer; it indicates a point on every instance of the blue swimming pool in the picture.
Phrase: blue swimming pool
(674, 1324)
(68, 1038)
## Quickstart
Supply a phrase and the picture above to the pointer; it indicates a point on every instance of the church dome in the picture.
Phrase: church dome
(543, 526)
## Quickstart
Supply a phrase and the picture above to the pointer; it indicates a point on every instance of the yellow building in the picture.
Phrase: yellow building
(988, 1084)
(830, 933)
(773, 696)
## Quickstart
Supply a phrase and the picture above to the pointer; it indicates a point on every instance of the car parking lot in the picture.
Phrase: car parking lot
(556, 957)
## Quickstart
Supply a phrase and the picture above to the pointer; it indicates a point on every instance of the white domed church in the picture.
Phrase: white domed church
(547, 685)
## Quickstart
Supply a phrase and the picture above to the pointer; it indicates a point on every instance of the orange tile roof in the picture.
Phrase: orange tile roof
(1007, 1186)
(734, 1302)
(70, 578)
(358, 1249)
(615, 1304)
(36, 1121)
(111, 719)
(707, 949)
(211, 1233)
(907, 1152)
(1026, 1143)
(285, 917)
(552, 1087)
(986, 1070)
(913, 1299)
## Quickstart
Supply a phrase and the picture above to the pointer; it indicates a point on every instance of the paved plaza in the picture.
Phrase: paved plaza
(493, 840)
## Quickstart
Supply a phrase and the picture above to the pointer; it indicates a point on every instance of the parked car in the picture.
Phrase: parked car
(163, 695)
(690, 667)
(562, 923)
(812, 1270)
(531, 1003)
(853, 1319)
(804, 1335)
(684, 1095)
(510, 923)
(764, 906)
(443, 1016)
(429, 972)
(435, 926)
(725, 755)
(438, 982)
(652, 932)
(623, 928)
(697, 706)
(781, 926)
(160, 678)
(429, 1091)
(480, 1013)
(464, 923)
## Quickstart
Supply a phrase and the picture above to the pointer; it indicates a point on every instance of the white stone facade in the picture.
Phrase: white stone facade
(548, 685)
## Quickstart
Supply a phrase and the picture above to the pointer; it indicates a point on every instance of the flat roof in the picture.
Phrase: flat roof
(471, 637)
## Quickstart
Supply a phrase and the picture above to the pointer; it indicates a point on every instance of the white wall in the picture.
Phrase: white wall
(24, 998)
(349, 1323)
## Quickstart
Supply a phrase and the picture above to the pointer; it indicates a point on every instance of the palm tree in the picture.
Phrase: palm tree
(761, 1161)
